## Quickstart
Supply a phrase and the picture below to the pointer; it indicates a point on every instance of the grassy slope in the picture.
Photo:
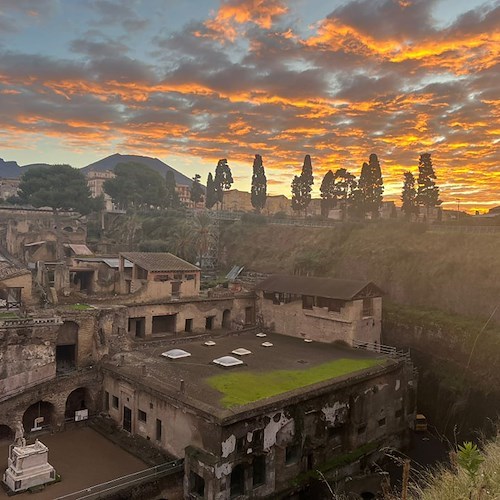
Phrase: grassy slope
(243, 388)
(450, 271)
(456, 485)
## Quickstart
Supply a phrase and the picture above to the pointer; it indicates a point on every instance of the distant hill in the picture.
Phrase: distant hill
(11, 170)
(110, 163)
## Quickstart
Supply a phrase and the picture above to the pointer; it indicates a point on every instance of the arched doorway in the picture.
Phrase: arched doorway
(67, 347)
(39, 415)
(6, 433)
(77, 401)
(226, 319)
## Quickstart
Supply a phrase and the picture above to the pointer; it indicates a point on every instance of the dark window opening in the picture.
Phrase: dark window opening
(238, 481)
(240, 444)
(115, 402)
(361, 429)
(310, 461)
(399, 413)
(127, 419)
(65, 358)
(209, 322)
(188, 325)
(197, 484)
(164, 324)
(381, 422)
(335, 432)
(142, 416)
(249, 315)
(367, 307)
(292, 454)
(258, 437)
(307, 302)
(259, 471)
(158, 429)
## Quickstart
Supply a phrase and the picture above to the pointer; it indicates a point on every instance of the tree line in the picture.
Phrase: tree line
(135, 186)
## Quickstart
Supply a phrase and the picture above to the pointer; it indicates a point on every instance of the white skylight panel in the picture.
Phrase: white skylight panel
(228, 361)
(176, 354)
(241, 351)
(261, 334)
(267, 344)
(209, 343)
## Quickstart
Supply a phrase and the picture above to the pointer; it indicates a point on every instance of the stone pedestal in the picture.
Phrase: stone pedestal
(28, 466)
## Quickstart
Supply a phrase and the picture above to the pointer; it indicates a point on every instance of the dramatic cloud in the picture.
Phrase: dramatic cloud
(252, 76)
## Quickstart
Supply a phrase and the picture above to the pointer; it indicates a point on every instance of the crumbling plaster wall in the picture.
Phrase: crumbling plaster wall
(324, 424)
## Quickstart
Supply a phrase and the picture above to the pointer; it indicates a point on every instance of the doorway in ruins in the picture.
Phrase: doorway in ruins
(38, 416)
(137, 327)
(6, 434)
(226, 319)
(76, 403)
(67, 347)
(164, 324)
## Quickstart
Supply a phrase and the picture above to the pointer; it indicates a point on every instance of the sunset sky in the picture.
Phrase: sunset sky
(192, 81)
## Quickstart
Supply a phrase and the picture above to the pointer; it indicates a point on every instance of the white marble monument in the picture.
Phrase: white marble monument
(27, 464)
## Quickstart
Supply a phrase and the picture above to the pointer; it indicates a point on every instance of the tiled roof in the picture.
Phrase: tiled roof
(156, 261)
(318, 287)
(8, 270)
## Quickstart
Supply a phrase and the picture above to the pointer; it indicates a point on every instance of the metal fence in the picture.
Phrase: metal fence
(387, 350)
(103, 490)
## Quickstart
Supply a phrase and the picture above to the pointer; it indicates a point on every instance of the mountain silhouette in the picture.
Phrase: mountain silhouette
(110, 162)
(11, 169)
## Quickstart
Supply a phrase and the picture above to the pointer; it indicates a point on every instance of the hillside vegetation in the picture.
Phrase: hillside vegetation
(456, 484)
(451, 271)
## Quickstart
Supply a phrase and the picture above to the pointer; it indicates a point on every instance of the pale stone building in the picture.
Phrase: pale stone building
(323, 309)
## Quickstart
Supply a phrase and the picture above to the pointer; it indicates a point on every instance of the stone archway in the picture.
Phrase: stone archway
(226, 318)
(39, 415)
(6, 433)
(67, 347)
(78, 400)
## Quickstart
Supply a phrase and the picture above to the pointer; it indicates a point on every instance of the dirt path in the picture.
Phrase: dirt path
(83, 458)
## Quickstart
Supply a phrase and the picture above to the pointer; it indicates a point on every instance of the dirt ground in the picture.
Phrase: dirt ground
(82, 457)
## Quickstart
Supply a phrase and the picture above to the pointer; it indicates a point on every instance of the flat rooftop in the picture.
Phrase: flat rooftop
(288, 368)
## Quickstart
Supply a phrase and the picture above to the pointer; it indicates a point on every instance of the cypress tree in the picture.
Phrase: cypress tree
(259, 184)
(428, 192)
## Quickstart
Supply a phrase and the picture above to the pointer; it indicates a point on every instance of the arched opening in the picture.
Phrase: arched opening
(367, 495)
(6, 433)
(66, 347)
(226, 319)
(78, 404)
(238, 481)
(38, 416)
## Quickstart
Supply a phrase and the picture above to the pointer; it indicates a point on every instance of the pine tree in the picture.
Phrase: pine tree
(259, 184)
(222, 180)
(211, 197)
(408, 196)
(196, 194)
(428, 192)
(344, 184)
(326, 189)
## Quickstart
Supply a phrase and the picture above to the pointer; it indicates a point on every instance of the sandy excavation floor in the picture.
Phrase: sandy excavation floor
(82, 457)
